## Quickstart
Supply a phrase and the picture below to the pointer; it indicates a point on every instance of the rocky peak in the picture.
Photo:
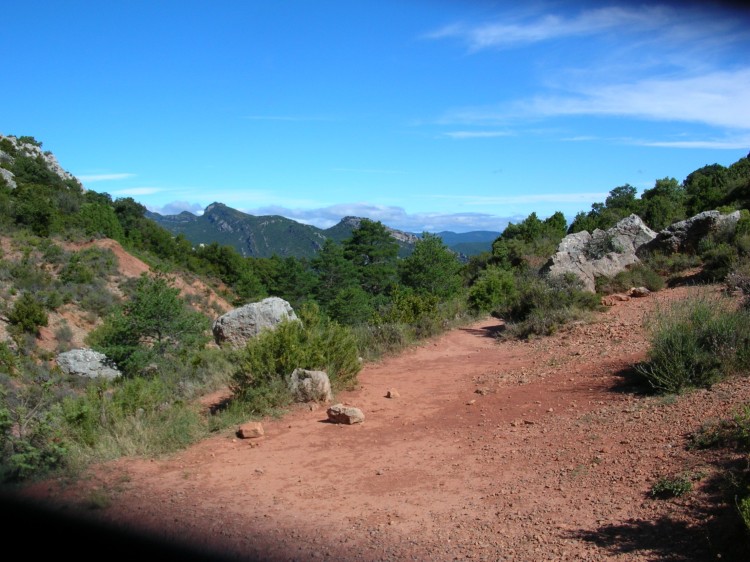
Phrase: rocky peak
(16, 147)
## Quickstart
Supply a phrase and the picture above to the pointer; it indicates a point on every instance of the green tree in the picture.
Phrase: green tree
(154, 324)
(333, 271)
(529, 243)
(431, 268)
(495, 287)
(373, 251)
(706, 188)
(99, 219)
(294, 281)
(663, 204)
(130, 214)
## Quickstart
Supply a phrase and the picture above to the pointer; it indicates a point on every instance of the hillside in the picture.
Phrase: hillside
(499, 451)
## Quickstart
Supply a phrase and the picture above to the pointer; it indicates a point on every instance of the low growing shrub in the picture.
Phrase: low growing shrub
(696, 343)
(28, 314)
(640, 275)
(543, 304)
(675, 487)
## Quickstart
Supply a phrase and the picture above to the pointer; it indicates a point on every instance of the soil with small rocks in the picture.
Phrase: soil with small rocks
(492, 450)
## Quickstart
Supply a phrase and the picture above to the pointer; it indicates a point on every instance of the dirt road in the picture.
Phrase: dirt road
(540, 450)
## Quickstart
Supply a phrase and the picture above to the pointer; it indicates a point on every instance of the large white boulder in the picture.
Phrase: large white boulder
(238, 326)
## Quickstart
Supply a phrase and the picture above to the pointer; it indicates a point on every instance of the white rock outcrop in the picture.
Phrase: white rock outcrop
(238, 326)
(87, 363)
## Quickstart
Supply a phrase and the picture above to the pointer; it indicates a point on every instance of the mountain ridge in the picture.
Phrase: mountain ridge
(267, 235)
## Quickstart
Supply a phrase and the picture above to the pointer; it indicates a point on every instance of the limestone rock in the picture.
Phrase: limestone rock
(33, 151)
(250, 430)
(238, 326)
(87, 363)
(639, 292)
(685, 235)
(310, 386)
(339, 413)
(601, 253)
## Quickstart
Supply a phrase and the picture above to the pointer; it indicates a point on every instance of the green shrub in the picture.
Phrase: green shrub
(494, 288)
(670, 264)
(640, 275)
(600, 246)
(31, 442)
(132, 416)
(675, 487)
(696, 343)
(543, 304)
(28, 314)
(8, 362)
(378, 340)
(314, 342)
(743, 508)
(718, 261)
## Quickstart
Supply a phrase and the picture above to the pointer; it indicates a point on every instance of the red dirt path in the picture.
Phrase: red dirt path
(494, 451)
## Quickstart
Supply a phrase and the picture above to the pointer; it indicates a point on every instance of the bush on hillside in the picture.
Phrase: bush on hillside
(154, 325)
(28, 314)
(313, 342)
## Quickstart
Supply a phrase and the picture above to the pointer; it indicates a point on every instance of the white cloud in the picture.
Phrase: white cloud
(138, 191)
(717, 99)
(703, 144)
(550, 26)
(177, 207)
(91, 178)
(651, 23)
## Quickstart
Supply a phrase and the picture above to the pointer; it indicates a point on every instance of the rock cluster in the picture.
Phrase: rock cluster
(607, 253)
(684, 236)
(601, 253)
(31, 151)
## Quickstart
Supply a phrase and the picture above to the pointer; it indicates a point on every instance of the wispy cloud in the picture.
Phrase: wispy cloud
(717, 98)
(476, 134)
(726, 144)
(654, 63)
(139, 191)
(525, 199)
(91, 178)
(512, 30)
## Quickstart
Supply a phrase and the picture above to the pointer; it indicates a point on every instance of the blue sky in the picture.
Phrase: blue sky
(426, 115)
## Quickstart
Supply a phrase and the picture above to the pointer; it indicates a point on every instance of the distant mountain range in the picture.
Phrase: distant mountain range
(265, 236)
